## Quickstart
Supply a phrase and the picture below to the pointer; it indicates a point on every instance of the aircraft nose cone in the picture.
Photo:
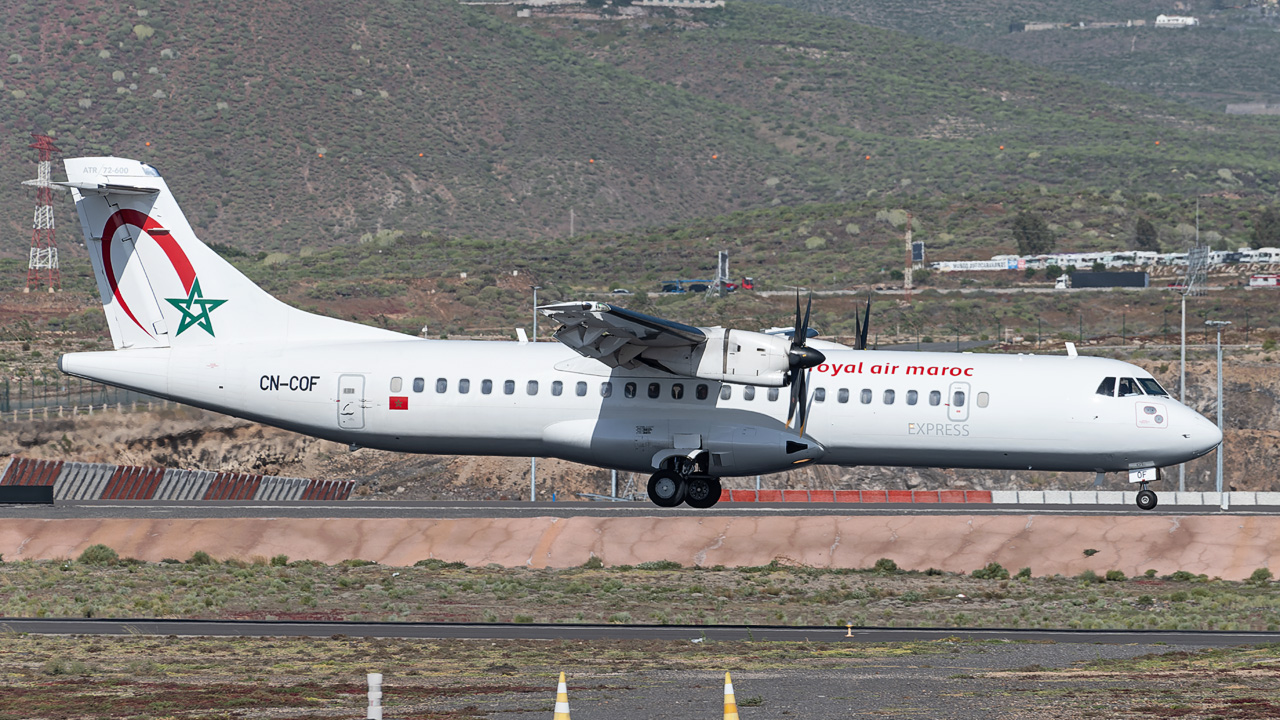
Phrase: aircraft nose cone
(1202, 432)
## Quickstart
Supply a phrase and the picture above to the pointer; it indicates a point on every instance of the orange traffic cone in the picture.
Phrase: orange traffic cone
(730, 705)
(562, 701)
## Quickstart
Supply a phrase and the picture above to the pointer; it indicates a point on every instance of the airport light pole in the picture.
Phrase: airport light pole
(533, 461)
(1219, 325)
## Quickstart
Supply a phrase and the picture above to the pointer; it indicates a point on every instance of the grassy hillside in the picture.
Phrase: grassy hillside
(1221, 61)
(429, 116)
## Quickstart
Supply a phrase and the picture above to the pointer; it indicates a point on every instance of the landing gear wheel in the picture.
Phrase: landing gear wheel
(704, 491)
(667, 488)
(1146, 499)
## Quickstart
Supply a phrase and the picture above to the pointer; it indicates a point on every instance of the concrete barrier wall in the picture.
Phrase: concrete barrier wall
(1222, 545)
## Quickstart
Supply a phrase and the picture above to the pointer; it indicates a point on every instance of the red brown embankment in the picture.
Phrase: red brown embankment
(1227, 546)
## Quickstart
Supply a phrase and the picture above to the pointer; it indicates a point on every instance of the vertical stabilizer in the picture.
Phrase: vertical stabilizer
(161, 286)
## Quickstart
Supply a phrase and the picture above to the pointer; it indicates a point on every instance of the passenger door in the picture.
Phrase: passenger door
(351, 402)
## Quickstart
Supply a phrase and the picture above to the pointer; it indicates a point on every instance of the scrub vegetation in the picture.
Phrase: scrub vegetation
(100, 585)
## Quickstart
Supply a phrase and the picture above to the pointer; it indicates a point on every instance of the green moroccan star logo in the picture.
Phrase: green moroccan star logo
(199, 317)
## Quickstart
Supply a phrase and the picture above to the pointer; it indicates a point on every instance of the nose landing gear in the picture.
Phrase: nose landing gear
(1146, 498)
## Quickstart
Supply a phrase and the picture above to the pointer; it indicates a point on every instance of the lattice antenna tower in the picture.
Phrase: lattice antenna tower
(43, 263)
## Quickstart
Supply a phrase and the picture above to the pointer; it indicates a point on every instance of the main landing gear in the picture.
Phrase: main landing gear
(683, 484)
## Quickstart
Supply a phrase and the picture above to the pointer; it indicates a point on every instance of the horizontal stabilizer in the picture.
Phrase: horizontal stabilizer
(90, 188)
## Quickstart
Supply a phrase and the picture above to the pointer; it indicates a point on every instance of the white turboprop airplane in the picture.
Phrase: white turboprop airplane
(620, 390)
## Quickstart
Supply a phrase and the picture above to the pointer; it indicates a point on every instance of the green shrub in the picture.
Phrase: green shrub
(356, 562)
(1182, 576)
(1178, 596)
(1116, 576)
(885, 565)
(1090, 552)
(1261, 576)
(1024, 574)
(1151, 572)
(99, 555)
(1146, 600)
(280, 560)
(660, 565)
(1089, 576)
(437, 564)
(993, 571)
(200, 557)
(593, 563)
(522, 619)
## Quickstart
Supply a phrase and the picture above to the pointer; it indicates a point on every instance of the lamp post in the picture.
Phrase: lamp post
(533, 461)
(1219, 325)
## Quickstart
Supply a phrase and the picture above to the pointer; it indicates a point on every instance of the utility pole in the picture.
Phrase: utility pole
(906, 273)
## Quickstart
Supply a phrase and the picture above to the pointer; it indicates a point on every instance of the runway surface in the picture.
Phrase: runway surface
(692, 633)
(455, 510)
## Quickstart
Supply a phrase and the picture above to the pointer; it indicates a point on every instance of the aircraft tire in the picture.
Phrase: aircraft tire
(667, 488)
(1147, 499)
(703, 492)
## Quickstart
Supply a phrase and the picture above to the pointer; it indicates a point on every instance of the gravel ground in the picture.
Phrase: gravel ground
(907, 687)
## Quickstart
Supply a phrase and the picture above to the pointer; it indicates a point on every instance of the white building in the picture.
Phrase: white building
(1176, 21)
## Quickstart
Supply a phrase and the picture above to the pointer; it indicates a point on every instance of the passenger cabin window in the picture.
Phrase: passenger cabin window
(842, 395)
(726, 392)
(629, 390)
(464, 386)
(580, 389)
(486, 386)
(654, 390)
(957, 400)
(935, 397)
(983, 399)
(442, 385)
(820, 395)
(701, 391)
(749, 392)
(606, 389)
(419, 384)
(396, 384)
(773, 394)
(1129, 387)
(1107, 387)
(557, 387)
(865, 396)
(889, 396)
(532, 387)
(912, 397)
(677, 391)
(509, 387)
(1152, 387)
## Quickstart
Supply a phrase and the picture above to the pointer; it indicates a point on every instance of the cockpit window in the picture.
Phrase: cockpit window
(1152, 387)
(1129, 387)
(1108, 387)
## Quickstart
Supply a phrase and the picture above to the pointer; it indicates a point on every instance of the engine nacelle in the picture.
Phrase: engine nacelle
(734, 356)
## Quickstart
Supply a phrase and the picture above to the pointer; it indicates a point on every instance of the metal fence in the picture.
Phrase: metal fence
(52, 394)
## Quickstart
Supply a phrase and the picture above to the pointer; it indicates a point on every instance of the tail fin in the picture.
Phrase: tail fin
(161, 286)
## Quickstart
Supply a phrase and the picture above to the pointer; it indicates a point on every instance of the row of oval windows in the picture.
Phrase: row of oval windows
(701, 391)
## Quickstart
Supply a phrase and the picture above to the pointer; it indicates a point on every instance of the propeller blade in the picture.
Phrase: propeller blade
(796, 338)
(791, 408)
(866, 325)
(802, 391)
(804, 337)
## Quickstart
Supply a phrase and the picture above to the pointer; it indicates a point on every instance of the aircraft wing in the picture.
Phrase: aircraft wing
(616, 336)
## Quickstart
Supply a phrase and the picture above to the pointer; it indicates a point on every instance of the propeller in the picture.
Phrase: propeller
(801, 358)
